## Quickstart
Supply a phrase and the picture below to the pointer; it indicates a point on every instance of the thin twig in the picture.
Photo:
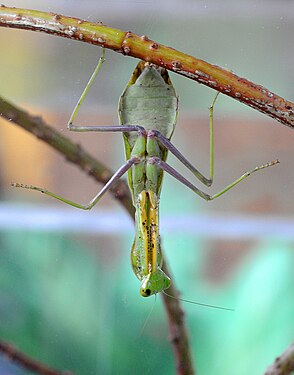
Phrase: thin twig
(28, 363)
(71, 151)
(178, 334)
(76, 154)
(142, 47)
(284, 364)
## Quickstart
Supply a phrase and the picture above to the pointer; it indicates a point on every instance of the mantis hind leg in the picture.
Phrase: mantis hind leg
(167, 168)
(207, 181)
(121, 171)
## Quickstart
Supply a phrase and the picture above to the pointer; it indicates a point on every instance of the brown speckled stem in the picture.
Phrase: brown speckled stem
(142, 47)
(284, 364)
(27, 362)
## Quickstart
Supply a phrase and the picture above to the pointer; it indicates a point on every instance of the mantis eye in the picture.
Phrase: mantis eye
(145, 292)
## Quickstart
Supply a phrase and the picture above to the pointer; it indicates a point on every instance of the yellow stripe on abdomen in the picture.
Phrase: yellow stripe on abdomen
(149, 229)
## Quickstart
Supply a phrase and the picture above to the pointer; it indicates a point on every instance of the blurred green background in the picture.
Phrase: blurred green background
(67, 293)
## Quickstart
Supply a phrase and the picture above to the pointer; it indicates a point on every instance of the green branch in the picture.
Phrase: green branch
(141, 47)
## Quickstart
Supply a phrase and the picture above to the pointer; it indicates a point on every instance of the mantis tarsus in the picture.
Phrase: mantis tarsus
(148, 110)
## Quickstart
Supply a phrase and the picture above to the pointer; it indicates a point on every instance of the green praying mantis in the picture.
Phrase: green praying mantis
(148, 111)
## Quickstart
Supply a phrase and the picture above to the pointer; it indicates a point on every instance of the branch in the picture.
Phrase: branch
(76, 154)
(284, 364)
(141, 47)
(71, 151)
(28, 363)
(178, 334)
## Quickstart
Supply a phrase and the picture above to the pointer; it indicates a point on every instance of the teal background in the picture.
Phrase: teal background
(63, 304)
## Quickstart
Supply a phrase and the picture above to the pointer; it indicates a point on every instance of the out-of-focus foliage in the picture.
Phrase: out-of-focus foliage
(63, 304)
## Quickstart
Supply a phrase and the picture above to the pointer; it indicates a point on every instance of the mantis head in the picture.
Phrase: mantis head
(153, 283)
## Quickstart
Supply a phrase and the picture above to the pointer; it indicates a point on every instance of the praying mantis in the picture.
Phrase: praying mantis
(148, 111)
